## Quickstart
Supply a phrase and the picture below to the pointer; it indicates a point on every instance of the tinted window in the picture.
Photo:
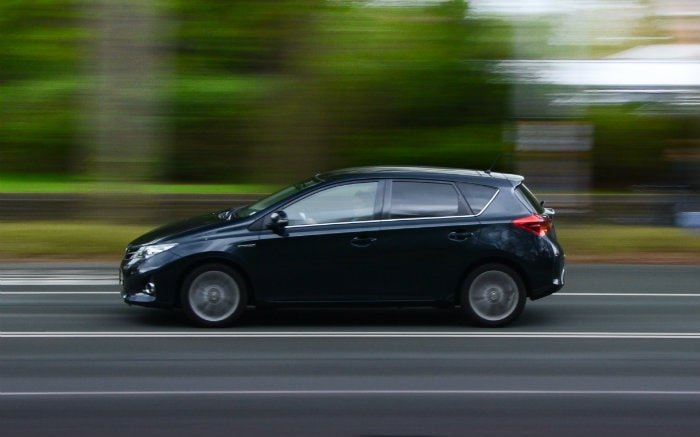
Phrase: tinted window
(478, 196)
(345, 203)
(423, 199)
(504, 205)
(529, 198)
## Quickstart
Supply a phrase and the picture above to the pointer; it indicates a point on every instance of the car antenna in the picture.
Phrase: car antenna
(494, 163)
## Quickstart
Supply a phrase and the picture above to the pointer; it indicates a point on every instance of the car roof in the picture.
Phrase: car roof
(454, 174)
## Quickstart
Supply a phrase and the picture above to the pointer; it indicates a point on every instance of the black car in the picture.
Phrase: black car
(394, 236)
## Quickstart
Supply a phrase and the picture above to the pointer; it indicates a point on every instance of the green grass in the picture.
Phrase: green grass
(623, 240)
(66, 240)
(62, 185)
(98, 241)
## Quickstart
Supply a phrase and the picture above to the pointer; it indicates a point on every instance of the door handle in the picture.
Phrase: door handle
(459, 235)
(362, 242)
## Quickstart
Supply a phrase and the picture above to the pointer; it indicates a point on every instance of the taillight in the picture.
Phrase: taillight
(537, 224)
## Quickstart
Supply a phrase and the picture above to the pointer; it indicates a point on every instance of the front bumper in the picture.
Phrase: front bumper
(145, 285)
(145, 296)
(137, 289)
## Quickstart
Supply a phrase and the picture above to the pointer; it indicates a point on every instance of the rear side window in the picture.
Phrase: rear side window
(505, 205)
(423, 199)
(528, 198)
(478, 196)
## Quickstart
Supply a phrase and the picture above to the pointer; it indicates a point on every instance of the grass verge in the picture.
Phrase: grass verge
(21, 184)
(66, 240)
(91, 241)
(625, 243)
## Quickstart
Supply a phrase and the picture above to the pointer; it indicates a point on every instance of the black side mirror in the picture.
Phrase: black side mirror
(279, 221)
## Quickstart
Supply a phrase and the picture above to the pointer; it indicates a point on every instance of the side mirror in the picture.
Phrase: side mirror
(549, 211)
(278, 221)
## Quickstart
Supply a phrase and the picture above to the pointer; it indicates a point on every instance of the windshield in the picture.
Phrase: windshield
(273, 198)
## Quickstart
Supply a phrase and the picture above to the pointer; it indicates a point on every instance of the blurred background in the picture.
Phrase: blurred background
(117, 114)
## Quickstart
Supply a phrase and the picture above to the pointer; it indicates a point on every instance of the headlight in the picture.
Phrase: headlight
(146, 252)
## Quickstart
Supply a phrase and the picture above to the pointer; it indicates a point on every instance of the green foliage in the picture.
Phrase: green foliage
(38, 125)
(629, 148)
(406, 85)
(466, 146)
(211, 119)
(40, 52)
(256, 85)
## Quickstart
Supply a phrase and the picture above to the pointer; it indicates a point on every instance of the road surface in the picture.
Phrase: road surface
(617, 351)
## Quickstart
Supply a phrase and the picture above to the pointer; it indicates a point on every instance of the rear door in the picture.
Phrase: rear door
(426, 240)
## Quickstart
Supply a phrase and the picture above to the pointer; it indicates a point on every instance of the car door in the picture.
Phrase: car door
(426, 240)
(327, 252)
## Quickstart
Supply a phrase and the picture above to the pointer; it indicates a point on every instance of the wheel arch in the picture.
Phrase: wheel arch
(492, 260)
(214, 259)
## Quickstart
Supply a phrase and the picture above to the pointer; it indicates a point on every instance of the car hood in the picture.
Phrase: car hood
(181, 228)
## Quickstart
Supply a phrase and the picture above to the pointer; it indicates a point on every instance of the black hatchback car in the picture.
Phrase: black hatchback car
(394, 236)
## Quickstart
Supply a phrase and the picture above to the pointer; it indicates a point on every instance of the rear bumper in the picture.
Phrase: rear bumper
(557, 282)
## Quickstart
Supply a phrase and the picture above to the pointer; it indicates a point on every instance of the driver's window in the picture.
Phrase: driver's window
(345, 203)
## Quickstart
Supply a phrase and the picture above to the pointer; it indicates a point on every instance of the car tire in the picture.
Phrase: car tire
(214, 296)
(493, 295)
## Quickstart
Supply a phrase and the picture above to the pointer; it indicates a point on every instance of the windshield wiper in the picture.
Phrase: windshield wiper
(228, 214)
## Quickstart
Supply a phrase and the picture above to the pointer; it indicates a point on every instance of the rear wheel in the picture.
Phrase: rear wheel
(493, 295)
(214, 295)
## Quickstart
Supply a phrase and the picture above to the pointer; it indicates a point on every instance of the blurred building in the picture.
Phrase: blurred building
(571, 56)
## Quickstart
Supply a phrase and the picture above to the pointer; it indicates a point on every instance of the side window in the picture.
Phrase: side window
(478, 196)
(423, 199)
(345, 203)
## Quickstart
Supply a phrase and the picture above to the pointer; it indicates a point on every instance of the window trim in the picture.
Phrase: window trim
(498, 190)
(388, 220)
(385, 210)
(486, 206)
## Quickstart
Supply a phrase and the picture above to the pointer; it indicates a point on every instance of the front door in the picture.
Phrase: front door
(328, 253)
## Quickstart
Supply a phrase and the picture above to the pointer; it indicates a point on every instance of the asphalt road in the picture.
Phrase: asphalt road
(616, 352)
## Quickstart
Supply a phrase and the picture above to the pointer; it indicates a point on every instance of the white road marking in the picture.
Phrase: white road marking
(57, 293)
(604, 294)
(355, 334)
(58, 281)
(597, 294)
(355, 392)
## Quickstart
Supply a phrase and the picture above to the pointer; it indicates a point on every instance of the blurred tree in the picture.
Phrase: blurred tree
(372, 84)
(125, 107)
(260, 91)
(277, 93)
(230, 59)
(631, 148)
(40, 50)
(221, 91)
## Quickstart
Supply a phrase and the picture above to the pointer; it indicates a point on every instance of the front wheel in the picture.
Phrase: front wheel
(214, 296)
(493, 295)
